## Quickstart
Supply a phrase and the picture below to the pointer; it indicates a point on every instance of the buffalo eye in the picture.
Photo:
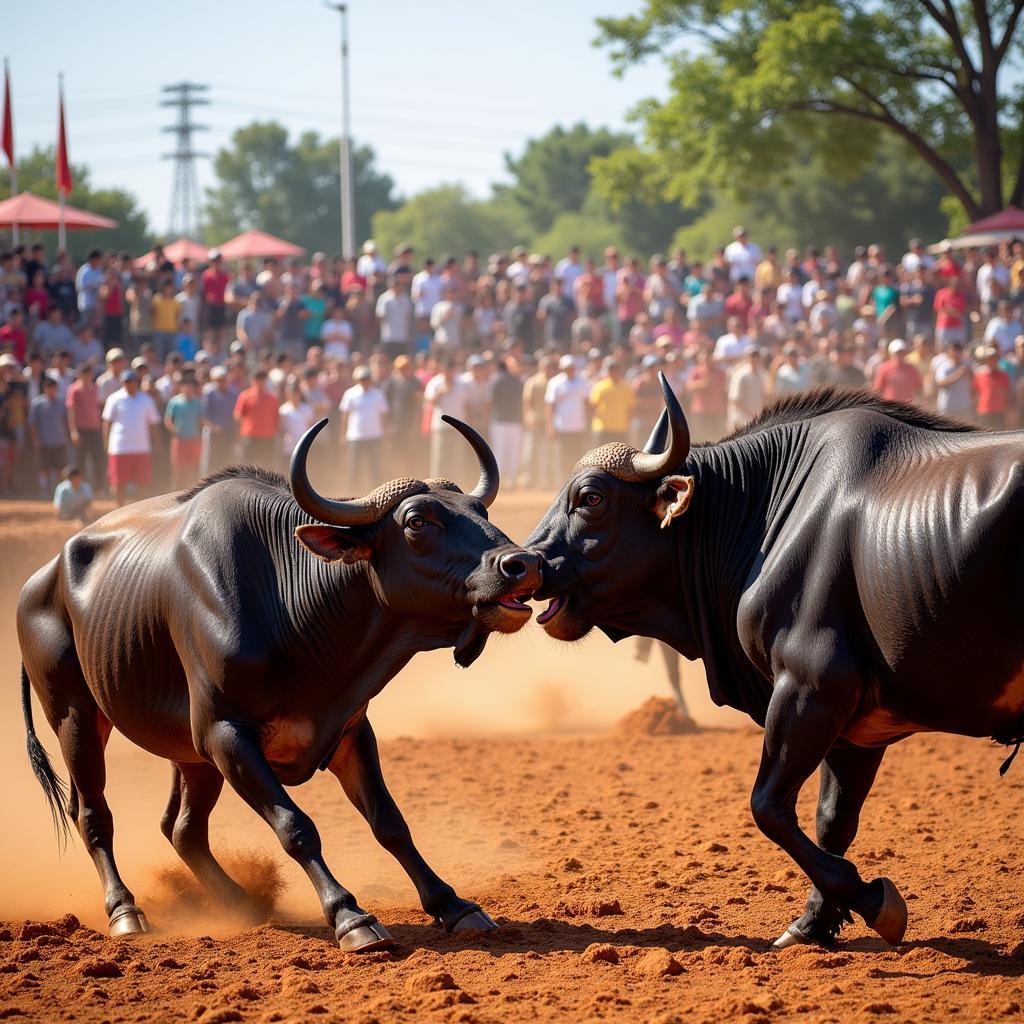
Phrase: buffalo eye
(592, 499)
(415, 523)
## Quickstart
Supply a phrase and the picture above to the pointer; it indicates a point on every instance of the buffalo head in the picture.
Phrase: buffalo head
(434, 560)
(602, 540)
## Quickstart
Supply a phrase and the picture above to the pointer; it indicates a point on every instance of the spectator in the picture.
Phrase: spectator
(396, 316)
(52, 333)
(88, 281)
(992, 389)
(555, 314)
(166, 315)
(611, 402)
(215, 280)
(706, 387)
(506, 430)
(1004, 328)
(254, 323)
(85, 427)
(111, 298)
(219, 432)
(951, 313)
(85, 347)
(792, 374)
(896, 379)
(297, 416)
(47, 421)
(748, 388)
(129, 417)
(954, 383)
(565, 400)
(183, 418)
(364, 412)
(13, 337)
(257, 415)
(73, 497)
(446, 321)
(743, 255)
(445, 394)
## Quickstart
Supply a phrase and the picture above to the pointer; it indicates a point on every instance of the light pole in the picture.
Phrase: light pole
(348, 208)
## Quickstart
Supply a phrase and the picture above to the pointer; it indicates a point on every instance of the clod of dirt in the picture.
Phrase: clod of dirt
(99, 969)
(572, 864)
(657, 716)
(659, 963)
(601, 952)
(967, 924)
(431, 981)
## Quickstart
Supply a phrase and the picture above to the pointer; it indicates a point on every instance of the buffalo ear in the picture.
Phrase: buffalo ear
(333, 543)
(673, 498)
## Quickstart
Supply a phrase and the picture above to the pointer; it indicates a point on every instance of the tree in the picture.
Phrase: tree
(553, 174)
(36, 173)
(446, 219)
(835, 73)
(292, 190)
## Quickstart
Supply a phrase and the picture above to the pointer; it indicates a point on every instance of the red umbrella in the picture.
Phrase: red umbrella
(253, 244)
(1011, 219)
(31, 211)
(181, 249)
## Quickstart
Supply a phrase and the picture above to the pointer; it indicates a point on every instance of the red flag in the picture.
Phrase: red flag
(65, 183)
(8, 140)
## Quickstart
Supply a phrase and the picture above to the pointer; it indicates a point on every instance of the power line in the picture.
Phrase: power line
(184, 217)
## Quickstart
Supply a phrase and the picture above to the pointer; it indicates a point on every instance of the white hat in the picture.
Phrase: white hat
(369, 245)
(8, 360)
(213, 254)
(218, 373)
(566, 362)
(897, 345)
(361, 373)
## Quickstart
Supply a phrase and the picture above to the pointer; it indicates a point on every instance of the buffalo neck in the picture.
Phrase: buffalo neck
(742, 488)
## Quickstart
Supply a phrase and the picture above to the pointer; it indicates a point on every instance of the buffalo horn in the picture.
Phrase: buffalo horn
(353, 512)
(487, 486)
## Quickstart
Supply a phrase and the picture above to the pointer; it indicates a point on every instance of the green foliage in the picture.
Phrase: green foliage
(291, 189)
(751, 83)
(591, 234)
(446, 219)
(36, 173)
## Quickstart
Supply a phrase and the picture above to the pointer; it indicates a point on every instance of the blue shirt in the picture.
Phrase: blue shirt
(185, 414)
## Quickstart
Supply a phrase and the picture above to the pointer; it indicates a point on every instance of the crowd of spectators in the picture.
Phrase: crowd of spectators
(127, 379)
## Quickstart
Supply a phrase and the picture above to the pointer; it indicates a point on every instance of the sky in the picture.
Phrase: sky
(440, 90)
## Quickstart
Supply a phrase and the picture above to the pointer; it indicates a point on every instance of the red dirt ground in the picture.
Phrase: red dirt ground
(624, 868)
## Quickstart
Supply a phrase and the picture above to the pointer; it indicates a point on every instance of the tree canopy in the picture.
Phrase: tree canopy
(36, 173)
(752, 82)
(291, 189)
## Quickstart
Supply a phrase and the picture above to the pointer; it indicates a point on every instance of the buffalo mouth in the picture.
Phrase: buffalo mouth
(555, 606)
(505, 614)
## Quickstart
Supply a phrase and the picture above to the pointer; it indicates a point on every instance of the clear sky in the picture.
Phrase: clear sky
(440, 90)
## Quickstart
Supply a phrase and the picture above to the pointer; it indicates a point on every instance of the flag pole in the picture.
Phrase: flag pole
(62, 239)
(8, 113)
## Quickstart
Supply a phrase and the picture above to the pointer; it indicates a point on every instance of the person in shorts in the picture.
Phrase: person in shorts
(183, 419)
(129, 416)
(48, 424)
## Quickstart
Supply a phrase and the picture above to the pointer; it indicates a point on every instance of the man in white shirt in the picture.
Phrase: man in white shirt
(992, 282)
(747, 389)
(129, 415)
(364, 411)
(732, 345)
(743, 255)
(916, 257)
(568, 269)
(445, 394)
(566, 411)
(1004, 328)
(370, 264)
(426, 293)
(790, 296)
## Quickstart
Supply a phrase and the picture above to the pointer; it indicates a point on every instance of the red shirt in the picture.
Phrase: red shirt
(709, 400)
(38, 297)
(16, 338)
(352, 282)
(898, 381)
(113, 304)
(739, 305)
(950, 307)
(257, 413)
(84, 400)
(993, 390)
(214, 286)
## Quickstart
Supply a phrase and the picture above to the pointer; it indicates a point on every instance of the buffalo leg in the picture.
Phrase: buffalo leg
(671, 659)
(83, 733)
(799, 732)
(847, 775)
(357, 766)
(186, 824)
(236, 751)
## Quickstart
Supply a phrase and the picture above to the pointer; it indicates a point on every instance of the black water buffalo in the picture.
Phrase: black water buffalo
(240, 629)
(850, 570)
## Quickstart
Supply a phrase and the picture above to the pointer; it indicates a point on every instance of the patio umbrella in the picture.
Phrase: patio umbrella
(988, 231)
(254, 244)
(176, 251)
(27, 210)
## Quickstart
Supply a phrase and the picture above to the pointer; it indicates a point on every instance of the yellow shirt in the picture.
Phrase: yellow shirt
(1017, 275)
(165, 314)
(612, 404)
(767, 275)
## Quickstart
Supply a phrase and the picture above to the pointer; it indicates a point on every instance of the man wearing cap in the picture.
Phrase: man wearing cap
(565, 402)
(364, 414)
(47, 422)
(129, 417)
(991, 388)
(219, 427)
(743, 255)
(896, 379)
(215, 282)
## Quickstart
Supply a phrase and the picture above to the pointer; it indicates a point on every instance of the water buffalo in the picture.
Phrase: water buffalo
(849, 569)
(239, 630)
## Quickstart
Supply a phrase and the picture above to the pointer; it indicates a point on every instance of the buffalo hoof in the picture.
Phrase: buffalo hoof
(367, 936)
(478, 920)
(891, 921)
(792, 936)
(128, 920)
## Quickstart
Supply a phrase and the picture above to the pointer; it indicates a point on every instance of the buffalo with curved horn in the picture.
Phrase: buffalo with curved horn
(199, 626)
(849, 569)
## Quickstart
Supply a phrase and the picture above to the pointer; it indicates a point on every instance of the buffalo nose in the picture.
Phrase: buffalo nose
(516, 566)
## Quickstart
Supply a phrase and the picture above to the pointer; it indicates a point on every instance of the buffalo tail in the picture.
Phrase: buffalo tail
(53, 786)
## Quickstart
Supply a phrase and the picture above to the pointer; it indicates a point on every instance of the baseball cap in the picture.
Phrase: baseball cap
(8, 360)
(369, 245)
(114, 354)
(362, 373)
(474, 361)
(897, 345)
(127, 375)
(213, 254)
(566, 362)
(985, 352)
(218, 373)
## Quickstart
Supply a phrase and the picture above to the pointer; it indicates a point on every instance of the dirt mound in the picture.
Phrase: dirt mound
(657, 716)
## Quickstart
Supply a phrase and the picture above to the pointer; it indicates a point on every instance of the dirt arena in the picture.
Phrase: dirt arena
(624, 867)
